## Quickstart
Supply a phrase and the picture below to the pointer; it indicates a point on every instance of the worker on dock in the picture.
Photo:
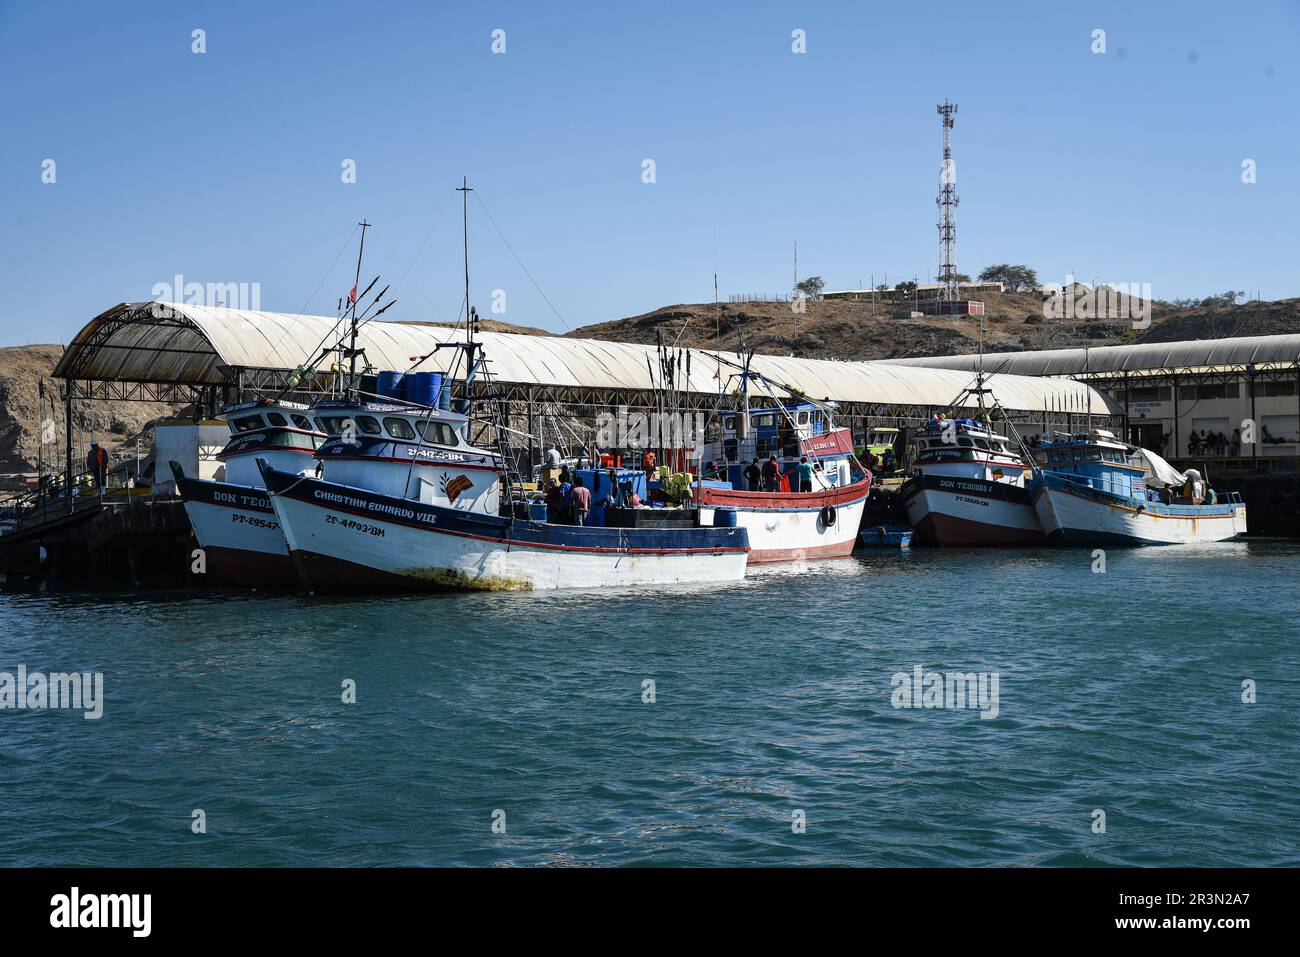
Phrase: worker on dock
(97, 465)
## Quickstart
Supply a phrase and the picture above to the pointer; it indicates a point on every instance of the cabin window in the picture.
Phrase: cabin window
(964, 442)
(275, 418)
(1092, 455)
(334, 424)
(1076, 455)
(369, 425)
(247, 423)
(399, 428)
(803, 418)
(729, 423)
(437, 433)
(981, 444)
(320, 425)
(293, 440)
(301, 421)
(764, 421)
(763, 448)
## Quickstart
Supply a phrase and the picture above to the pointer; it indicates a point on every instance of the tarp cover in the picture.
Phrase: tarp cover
(1160, 472)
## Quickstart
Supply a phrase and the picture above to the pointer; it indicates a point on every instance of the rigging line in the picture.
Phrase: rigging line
(436, 310)
(303, 309)
(429, 236)
(479, 200)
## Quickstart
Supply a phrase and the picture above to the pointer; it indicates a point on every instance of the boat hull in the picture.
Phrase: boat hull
(348, 539)
(791, 526)
(238, 532)
(1084, 518)
(946, 510)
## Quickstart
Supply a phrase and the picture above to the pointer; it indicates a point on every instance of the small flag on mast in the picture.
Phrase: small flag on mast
(352, 296)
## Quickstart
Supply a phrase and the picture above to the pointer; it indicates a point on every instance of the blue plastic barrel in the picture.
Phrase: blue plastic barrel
(389, 384)
(425, 388)
(724, 518)
(444, 397)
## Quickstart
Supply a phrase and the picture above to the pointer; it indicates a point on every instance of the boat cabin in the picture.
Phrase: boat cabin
(966, 448)
(415, 452)
(1094, 460)
(283, 433)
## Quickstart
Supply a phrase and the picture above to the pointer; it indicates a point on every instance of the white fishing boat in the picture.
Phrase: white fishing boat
(968, 486)
(1092, 489)
(817, 522)
(232, 518)
(407, 503)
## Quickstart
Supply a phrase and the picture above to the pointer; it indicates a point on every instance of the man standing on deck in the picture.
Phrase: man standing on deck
(581, 501)
(805, 475)
(771, 475)
(753, 475)
(97, 465)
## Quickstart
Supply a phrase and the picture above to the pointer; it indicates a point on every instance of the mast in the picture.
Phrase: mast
(465, 189)
(356, 284)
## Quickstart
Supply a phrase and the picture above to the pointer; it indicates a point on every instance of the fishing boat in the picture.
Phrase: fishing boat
(817, 522)
(405, 501)
(1091, 489)
(968, 486)
(797, 520)
(232, 518)
(414, 506)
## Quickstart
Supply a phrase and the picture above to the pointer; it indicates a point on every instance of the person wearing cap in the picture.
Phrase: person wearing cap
(97, 464)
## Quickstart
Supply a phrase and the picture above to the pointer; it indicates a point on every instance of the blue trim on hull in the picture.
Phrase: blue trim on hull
(506, 531)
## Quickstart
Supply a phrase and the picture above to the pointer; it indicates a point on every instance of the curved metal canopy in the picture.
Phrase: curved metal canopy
(205, 345)
(1197, 354)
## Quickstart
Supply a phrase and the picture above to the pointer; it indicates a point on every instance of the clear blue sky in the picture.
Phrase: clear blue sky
(225, 167)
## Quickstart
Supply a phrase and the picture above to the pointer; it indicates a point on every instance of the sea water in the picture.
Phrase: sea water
(1138, 707)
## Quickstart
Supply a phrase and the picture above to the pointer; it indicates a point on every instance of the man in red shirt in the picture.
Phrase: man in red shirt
(581, 501)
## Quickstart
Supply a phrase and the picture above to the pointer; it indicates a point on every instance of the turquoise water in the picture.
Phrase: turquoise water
(1118, 691)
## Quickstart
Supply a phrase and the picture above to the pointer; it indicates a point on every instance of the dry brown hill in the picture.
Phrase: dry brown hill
(853, 329)
(113, 424)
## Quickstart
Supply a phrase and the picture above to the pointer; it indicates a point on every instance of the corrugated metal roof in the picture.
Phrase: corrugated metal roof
(191, 344)
(1192, 355)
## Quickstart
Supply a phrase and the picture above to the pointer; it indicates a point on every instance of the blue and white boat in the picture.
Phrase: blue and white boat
(232, 517)
(1091, 489)
(406, 502)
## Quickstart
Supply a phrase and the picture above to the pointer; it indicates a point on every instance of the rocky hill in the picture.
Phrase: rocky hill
(843, 329)
(113, 424)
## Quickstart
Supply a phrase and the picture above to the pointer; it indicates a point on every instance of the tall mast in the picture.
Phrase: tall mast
(356, 284)
(465, 189)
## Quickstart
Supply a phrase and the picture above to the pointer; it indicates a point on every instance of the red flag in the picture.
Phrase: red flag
(352, 296)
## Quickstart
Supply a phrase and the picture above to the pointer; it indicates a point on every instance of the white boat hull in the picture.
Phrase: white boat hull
(343, 539)
(1076, 519)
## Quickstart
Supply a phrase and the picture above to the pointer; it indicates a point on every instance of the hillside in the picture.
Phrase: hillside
(842, 329)
(114, 424)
